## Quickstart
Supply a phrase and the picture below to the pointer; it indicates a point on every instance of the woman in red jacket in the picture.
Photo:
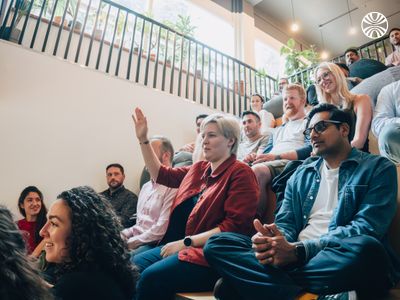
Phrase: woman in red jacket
(215, 195)
(31, 206)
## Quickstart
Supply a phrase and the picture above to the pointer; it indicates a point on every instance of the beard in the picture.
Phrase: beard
(114, 185)
(291, 112)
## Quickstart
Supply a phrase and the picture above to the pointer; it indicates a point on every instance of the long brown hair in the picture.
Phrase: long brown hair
(41, 217)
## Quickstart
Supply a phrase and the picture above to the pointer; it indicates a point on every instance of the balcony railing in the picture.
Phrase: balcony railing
(377, 49)
(106, 36)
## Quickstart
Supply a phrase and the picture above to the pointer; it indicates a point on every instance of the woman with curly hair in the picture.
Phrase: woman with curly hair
(331, 87)
(31, 206)
(18, 278)
(82, 238)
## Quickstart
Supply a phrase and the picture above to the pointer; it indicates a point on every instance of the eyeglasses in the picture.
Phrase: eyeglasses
(320, 127)
(323, 76)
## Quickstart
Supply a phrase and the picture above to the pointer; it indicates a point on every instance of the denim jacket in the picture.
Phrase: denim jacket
(367, 191)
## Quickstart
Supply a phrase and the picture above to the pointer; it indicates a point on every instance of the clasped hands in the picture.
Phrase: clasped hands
(271, 247)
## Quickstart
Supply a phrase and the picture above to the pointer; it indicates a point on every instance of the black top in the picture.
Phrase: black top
(178, 219)
(124, 202)
(87, 285)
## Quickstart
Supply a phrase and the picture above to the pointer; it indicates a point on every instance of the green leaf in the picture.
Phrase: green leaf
(291, 43)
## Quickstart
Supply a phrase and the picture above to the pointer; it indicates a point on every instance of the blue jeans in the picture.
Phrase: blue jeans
(141, 249)
(357, 263)
(161, 277)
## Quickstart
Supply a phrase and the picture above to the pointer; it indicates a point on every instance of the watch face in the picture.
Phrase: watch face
(187, 241)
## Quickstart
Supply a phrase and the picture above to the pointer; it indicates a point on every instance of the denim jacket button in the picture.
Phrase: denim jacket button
(305, 217)
(311, 197)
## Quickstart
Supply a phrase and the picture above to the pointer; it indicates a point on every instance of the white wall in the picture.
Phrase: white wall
(61, 124)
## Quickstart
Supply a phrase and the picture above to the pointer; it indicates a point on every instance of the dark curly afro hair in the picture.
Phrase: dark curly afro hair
(95, 242)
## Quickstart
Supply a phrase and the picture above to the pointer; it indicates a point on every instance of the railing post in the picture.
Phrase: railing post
(146, 71)
(140, 52)
(28, 14)
(122, 44)
(171, 83)
(181, 66)
(78, 50)
(157, 58)
(102, 39)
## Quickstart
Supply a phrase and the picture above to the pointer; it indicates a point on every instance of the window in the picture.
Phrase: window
(211, 29)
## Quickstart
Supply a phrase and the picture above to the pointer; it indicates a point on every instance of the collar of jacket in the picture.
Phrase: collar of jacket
(221, 169)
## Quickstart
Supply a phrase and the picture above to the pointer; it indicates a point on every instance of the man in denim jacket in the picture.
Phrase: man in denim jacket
(330, 234)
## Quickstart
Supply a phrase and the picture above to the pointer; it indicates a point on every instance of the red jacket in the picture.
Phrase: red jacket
(229, 200)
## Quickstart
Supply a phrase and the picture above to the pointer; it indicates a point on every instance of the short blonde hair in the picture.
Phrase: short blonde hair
(228, 127)
(296, 87)
(346, 98)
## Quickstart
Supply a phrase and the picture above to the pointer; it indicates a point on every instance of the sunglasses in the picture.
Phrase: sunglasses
(323, 76)
(319, 127)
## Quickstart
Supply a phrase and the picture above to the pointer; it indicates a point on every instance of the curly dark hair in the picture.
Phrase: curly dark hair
(41, 217)
(19, 279)
(95, 242)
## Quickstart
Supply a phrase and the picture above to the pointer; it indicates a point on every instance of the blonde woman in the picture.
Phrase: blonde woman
(219, 194)
(331, 87)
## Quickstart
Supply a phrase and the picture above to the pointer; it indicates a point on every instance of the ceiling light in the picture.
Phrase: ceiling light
(352, 31)
(324, 55)
(294, 27)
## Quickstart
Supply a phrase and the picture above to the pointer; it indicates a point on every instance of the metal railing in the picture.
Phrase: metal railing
(106, 36)
(377, 49)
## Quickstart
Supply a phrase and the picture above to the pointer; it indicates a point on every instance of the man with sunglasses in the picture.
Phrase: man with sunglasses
(330, 234)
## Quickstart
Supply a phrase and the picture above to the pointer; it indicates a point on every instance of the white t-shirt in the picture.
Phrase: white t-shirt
(247, 147)
(289, 136)
(325, 203)
(266, 119)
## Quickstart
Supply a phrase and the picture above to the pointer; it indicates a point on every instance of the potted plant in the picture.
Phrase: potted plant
(184, 26)
(59, 11)
(297, 60)
(13, 33)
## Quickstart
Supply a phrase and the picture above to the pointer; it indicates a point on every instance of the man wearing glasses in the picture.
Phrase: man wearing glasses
(330, 234)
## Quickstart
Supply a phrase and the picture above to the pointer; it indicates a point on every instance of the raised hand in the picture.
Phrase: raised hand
(140, 121)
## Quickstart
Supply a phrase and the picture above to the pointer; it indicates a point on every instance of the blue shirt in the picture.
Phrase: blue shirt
(367, 191)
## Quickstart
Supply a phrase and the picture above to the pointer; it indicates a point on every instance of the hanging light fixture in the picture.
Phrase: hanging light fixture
(324, 54)
(294, 27)
(352, 29)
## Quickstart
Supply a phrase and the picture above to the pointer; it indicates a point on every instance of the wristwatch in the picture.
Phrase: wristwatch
(300, 253)
(278, 157)
(187, 241)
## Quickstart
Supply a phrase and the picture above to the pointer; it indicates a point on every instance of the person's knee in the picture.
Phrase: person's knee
(214, 243)
(389, 134)
(262, 173)
(368, 249)
(218, 244)
(148, 278)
